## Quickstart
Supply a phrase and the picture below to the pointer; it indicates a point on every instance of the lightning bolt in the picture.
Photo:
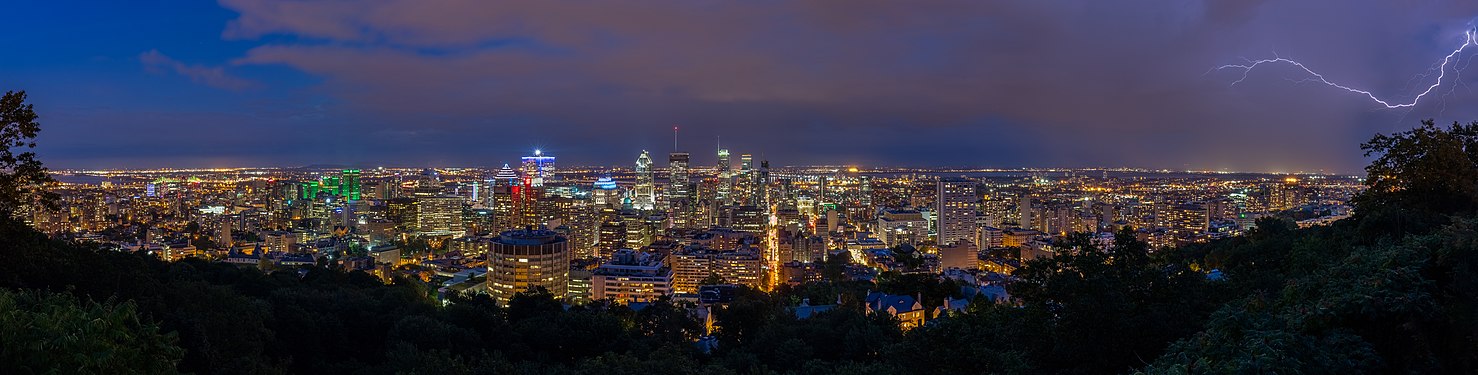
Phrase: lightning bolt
(1470, 39)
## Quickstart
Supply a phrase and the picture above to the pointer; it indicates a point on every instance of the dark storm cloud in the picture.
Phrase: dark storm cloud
(1079, 83)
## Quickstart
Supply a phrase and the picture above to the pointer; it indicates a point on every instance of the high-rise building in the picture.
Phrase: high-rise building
(505, 185)
(955, 207)
(610, 237)
(537, 169)
(522, 259)
(759, 195)
(645, 191)
(606, 194)
(679, 190)
(725, 178)
(349, 184)
(1024, 212)
(439, 215)
(743, 185)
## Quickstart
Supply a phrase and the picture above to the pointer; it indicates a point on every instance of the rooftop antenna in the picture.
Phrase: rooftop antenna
(674, 138)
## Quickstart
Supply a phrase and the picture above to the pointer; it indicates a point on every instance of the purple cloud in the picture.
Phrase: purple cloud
(210, 76)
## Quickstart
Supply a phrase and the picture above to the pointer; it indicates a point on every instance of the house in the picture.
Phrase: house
(907, 309)
(807, 310)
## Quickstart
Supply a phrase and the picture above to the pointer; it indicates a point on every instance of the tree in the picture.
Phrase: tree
(42, 332)
(712, 279)
(536, 301)
(1420, 175)
(22, 178)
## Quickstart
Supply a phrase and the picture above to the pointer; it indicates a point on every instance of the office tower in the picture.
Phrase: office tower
(760, 195)
(574, 214)
(725, 178)
(645, 191)
(526, 258)
(349, 184)
(330, 185)
(606, 194)
(537, 169)
(505, 187)
(631, 276)
(679, 191)
(309, 190)
(611, 237)
(484, 196)
(955, 207)
(748, 219)
(439, 215)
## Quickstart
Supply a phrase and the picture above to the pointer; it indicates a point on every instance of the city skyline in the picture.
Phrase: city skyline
(1063, 84)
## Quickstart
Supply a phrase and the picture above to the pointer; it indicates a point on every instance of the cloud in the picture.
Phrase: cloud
(1086, 82)
(210, 76)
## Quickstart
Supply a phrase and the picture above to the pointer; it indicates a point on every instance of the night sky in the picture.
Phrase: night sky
(1031, 83)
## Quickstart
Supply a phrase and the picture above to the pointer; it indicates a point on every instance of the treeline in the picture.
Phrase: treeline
(1390, 290)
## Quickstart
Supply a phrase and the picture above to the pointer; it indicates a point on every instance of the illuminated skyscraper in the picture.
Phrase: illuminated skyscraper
(349, 185)
(505, 186)
(522, 259)
(679, 191)
(956, 210)
(606, 194)
(439, 215)
(537, 169)
(725, 177)
(743, 188)
(759, 196)
(646, 190)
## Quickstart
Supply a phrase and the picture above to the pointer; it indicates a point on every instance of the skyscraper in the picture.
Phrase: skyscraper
(606, 194)
(523, 259)
(537, 169)
(646, 190)
(1024, 212)
(725, 177)
(955, 207)
(761, 182)
(439, 215)
(349, 185)
(679, 194)
(505, 187)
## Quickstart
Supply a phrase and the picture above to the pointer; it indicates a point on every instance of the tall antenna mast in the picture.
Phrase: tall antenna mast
(674, 138)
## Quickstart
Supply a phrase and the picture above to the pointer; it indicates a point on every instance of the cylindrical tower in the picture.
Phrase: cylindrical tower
(527, 258)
